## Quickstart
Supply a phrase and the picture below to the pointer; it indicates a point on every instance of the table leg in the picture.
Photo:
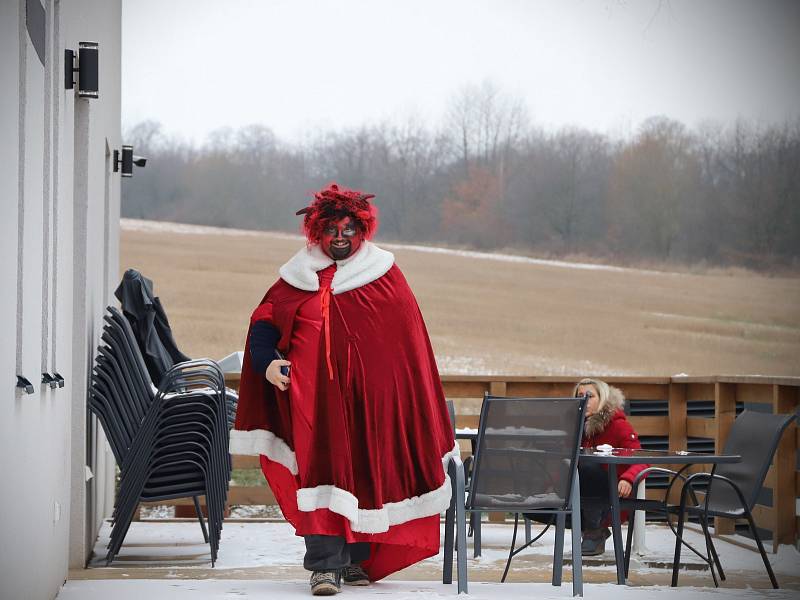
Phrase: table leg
(616, 524)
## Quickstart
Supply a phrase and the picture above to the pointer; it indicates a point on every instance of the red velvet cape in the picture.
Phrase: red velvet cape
(381, 428)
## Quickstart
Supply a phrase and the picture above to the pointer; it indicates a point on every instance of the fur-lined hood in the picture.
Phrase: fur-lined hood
(598, 422)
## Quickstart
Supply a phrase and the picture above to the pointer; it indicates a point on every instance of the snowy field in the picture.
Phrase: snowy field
(263, 560)
(495, 313)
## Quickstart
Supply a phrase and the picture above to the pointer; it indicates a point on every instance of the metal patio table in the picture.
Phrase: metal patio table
(625, 456)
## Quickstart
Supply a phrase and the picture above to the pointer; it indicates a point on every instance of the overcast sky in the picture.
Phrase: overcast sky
(298, 65)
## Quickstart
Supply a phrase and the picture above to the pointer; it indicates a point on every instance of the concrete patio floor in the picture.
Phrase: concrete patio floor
(264, 559)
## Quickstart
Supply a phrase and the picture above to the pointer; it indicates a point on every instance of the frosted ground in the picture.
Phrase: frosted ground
(263, 560)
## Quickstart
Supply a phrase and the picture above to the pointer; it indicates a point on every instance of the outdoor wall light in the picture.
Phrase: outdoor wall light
(54, 380)
(87, 68)
(126, 159)
(25, 385)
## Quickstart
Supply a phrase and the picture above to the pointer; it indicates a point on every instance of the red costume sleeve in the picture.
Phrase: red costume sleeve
(625, 437)
(263, 312)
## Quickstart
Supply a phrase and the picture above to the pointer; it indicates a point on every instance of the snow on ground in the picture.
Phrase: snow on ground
(397, 590)
(180, 546)
(187, 229)
(168, 560)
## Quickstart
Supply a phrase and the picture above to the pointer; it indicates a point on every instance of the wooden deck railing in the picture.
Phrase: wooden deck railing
(722, 393)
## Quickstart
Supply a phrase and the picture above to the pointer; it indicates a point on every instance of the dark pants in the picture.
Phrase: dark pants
(594, 495)
(594, 499)
(330, 552)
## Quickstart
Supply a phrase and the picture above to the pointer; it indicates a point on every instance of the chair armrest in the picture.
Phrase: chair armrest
(467, 467)
(455, 470)
(674, 474)
(193, 373)
(695, 477)
(645, 472)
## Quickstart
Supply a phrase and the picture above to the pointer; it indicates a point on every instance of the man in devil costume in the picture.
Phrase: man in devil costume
(355, 437)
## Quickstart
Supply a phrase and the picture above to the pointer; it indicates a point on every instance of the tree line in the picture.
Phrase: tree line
(487, 178)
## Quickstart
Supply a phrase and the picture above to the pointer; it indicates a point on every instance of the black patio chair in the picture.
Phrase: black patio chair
(170, 442)
(526, 462)
(733, 489)
(152, 331)
(474, 530)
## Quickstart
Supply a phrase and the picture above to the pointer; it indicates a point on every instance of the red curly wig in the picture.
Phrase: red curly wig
(333, 203)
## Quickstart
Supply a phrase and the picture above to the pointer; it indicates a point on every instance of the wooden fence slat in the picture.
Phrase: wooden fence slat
(650, 425)
(724, 415)
(769, 482)
(540, 389)
(701, 427)
(764, 517)
(498, 388)
(677, 426)
(465, 389)
(751, 392)
(240, 461)
(644, 391)
(700, 391)
(467, 421)
(785, 466)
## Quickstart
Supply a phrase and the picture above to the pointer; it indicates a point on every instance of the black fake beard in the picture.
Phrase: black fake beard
(340, 253)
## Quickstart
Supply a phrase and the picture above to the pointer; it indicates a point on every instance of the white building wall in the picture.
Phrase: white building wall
(59, 215)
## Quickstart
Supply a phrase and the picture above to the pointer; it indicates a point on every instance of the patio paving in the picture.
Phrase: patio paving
(264, 560)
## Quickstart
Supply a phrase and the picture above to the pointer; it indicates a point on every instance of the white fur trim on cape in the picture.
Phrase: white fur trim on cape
(365, 266)
(377, 520)
(261, 441)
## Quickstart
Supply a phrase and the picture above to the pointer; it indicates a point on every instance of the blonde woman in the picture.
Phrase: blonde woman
(605, 424)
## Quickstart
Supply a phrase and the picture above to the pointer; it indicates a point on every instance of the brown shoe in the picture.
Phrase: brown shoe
(355, 575)
(325, 583)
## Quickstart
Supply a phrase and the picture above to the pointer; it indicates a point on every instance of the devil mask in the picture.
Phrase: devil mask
(339, 220)
(340, 239)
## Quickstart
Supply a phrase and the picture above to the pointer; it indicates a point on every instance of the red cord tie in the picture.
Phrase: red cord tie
(325, 301)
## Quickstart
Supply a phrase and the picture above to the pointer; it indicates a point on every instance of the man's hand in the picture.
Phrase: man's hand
(273, 374)
(624, 488)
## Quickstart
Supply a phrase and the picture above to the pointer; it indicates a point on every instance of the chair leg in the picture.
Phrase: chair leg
(461, 541)
(200, 518)
(575, 516)
(676, 561)
(476, 536)
(708, 557)
(629, 542)
(757, 537)
(711, 551)
(558, 550)
(511, 550)
(455, 471)
(527, 530)
(715, 557)
(449, 522)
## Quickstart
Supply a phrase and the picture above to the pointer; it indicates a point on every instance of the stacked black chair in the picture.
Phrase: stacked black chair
(152, 332)
(525, 462)
(169, 442)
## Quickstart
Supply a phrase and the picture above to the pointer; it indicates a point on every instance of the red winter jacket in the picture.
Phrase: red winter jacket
(617, 432)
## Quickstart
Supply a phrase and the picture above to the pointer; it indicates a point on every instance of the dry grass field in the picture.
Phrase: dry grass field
(496, 314)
